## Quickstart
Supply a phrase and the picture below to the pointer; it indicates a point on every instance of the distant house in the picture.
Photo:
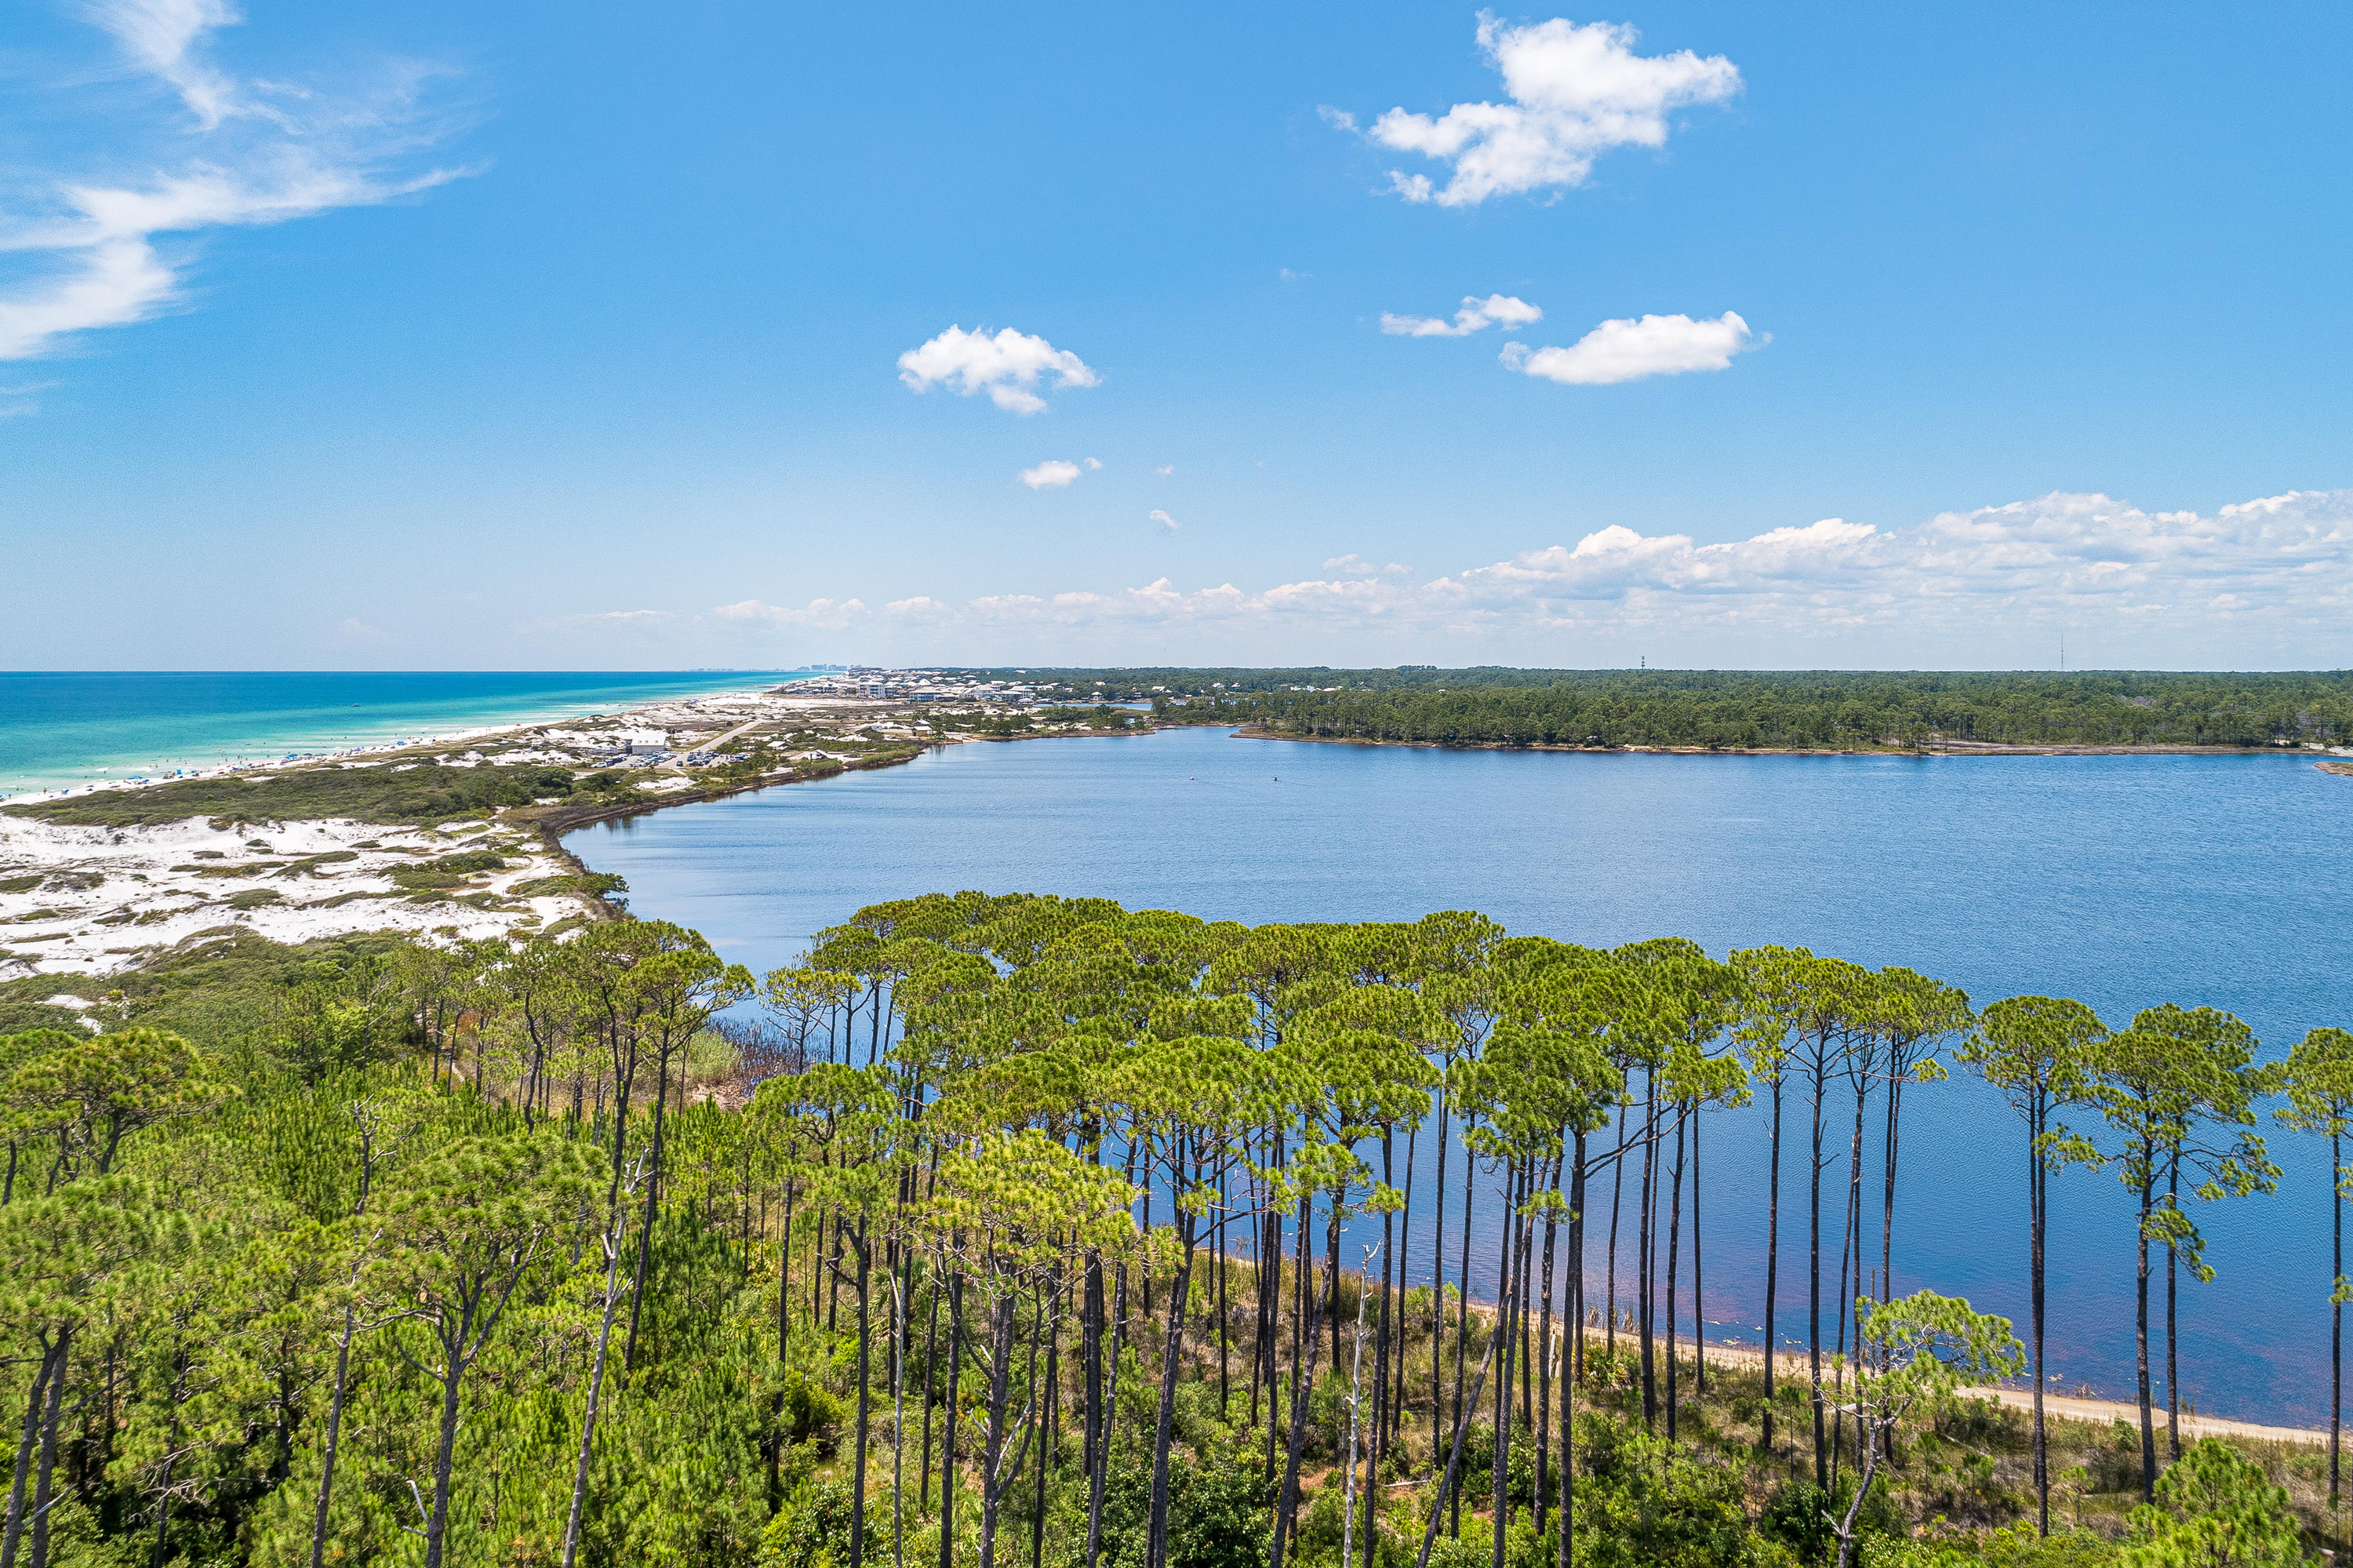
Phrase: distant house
(637, 742)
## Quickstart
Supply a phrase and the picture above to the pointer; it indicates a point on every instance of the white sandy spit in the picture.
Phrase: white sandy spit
(89, 900)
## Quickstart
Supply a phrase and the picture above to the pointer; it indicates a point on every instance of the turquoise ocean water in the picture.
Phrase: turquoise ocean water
(63, 728)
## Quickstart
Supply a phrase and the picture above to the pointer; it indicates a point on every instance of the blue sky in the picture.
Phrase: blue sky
(422, 336)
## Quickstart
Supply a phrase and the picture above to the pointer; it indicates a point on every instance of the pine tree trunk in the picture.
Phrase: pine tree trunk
(1545, 1354)
(1772, 1259)
(2140, 1338)
(865, 1399)
(1505, 1331)
(1047, 1417)
(1646, 1253)
(646, 1233)
(1438, 1282)
(1887, 1205)
(1000, 1369)
(1699, 1291)
(1850, 1249)
(445, 1456)
(334, 1440)
(50, 1417)
(1674, 1256)
(1171, 1361)
(1814, 1294)
(1462, 1317)
(1572, 1365)
(1098, 1423)
(931, 1364)
(1405, 1227)
(1286, 1503)
(948, 1436)
(1379, 1447)
(588, 1416)
(1225, 1322)
(35, 1404)
(1617, 1197)
(785, 1281)
(1454, 1467)
(2035, 1171)
(2172, 1362)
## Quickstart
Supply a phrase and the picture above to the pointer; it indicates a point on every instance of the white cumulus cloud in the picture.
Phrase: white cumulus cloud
(1575, 92)
(1164, 520)
(1007, 367)
(1630, 350)
(1052, 475)
(1496, 309)
(1095, 465)
(254, 154)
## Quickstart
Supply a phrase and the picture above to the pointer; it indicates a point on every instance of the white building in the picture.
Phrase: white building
(639, 742)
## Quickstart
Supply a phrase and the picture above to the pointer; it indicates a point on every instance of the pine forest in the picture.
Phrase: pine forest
(1024, 1230)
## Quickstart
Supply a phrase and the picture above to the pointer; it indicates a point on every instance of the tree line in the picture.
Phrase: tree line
(1490, 706)
(1819, 712)
(1014, 1227)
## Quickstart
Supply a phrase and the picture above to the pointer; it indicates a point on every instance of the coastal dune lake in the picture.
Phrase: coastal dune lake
(2125, 881)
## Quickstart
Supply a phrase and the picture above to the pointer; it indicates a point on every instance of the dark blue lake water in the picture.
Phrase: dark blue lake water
(2125, 881)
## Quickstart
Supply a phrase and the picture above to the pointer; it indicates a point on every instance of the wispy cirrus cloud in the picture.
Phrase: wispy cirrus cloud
(1356, 565)
(1476, 315)
(233, 152)
(1009, 367)
(1632, 350)
(1575, 92)
(818, 614)
(2154, 588)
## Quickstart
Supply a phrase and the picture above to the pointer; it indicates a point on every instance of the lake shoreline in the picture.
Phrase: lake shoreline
(2125, 882)
(1941, 748)
(136, 903)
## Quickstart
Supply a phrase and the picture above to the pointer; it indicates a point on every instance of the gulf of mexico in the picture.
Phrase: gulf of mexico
(60, 728)
(2125, 881)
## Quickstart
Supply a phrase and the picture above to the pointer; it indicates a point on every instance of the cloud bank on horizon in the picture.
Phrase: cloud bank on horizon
(238, 154)
(2268, 571)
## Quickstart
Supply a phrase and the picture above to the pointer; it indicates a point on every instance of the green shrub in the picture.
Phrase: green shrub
(425, 792)
(811, 1531)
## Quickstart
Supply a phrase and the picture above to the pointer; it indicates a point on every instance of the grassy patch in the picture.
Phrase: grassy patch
(428, 792)
(22, 1017)
(449, 872)
(594, 885)
(212, 986)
